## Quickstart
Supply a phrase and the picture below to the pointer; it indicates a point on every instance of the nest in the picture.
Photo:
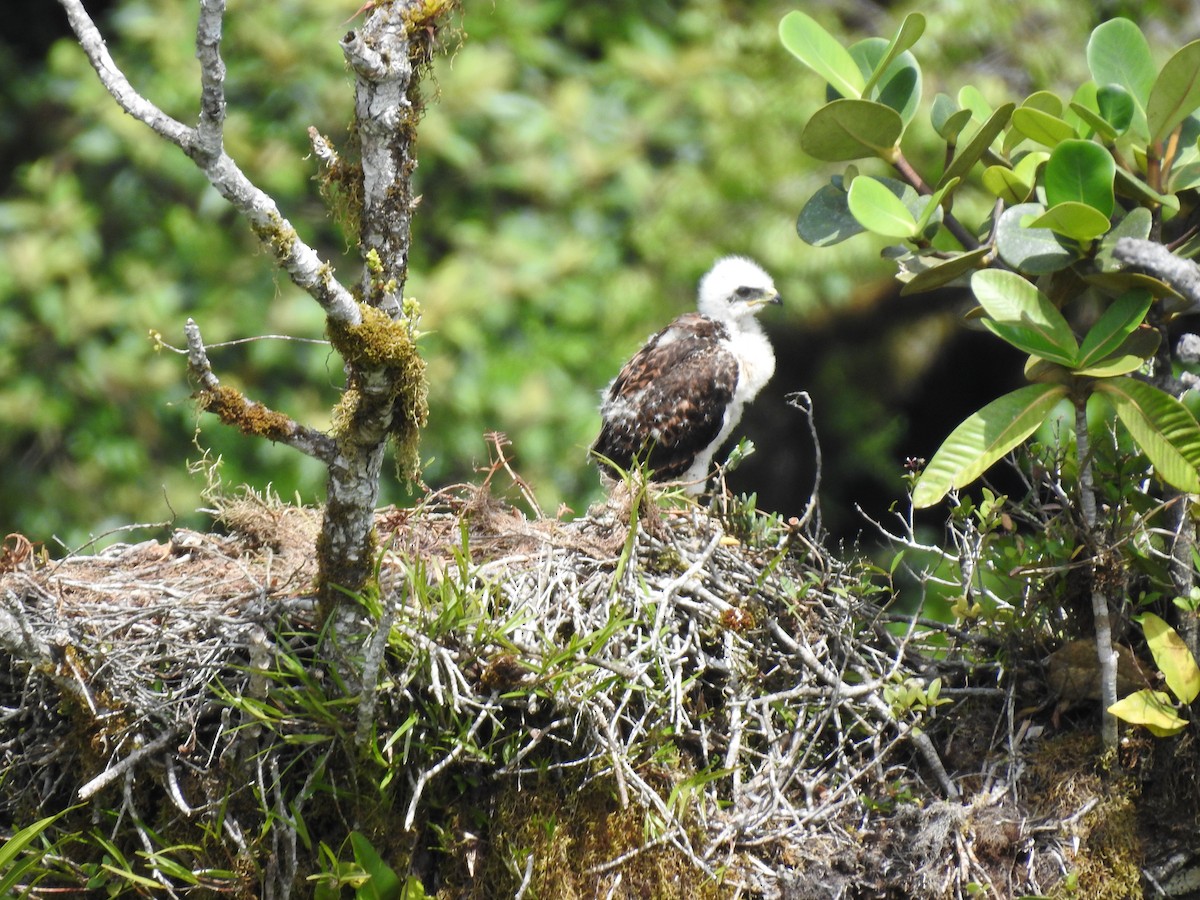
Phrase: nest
(721, 675)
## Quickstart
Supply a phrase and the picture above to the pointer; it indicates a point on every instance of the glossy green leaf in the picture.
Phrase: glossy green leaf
(1047, 101)
(970, 97)
(1172, 657)
(1161, 426)
(1150, 709)
(978, 144)
(1024, 316)
(1075, 220)
(983, 438)
(1041, 127)
(1176, 92)
(1089, 118)
(931, 209)
(879, 210)
(948, 119)
(826, 218)
(897, 86)
(1135, 224)
(851, 129)
(1082, 171)
(1116, 106)
(1119, 321)
(1004, 184)
(805, 39)
(1117, 53)
(1034, 251)
(910, 32)
(1132, 186)
(1130, 356)
(944, 272)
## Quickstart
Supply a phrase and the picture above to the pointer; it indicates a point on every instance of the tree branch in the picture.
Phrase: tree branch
(248, 416)
(1181, 274)
(204, 146)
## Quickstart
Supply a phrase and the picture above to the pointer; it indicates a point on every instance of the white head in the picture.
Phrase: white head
(735, 289)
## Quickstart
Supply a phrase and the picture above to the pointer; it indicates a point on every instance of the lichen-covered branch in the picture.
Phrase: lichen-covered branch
(249, 417)
(204, 145)
(1181, 274)
(387, 56)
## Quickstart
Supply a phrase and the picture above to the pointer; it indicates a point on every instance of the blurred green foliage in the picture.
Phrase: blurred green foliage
(582, 166)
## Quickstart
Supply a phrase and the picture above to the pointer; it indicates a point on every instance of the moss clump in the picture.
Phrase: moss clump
(571, 831)
(232, 408)
(380, 344)
(278, 234)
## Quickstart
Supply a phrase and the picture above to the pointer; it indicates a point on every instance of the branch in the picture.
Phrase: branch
(1181, 274)
(204, 146)
(386, 54)
(247, 415)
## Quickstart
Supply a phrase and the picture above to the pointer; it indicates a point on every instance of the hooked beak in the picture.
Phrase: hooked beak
(767, 298)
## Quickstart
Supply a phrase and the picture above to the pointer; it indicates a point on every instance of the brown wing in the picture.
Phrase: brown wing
(668, 403)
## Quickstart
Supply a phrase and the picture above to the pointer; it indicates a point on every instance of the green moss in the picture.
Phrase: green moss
(568, 829)
(232, 408)
(278, 234)
(380, 343)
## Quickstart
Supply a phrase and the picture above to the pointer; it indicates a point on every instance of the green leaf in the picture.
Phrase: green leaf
(384, 884)
(1082, 171)
(1024, 316)
(1176, 92)
(899, 85)
(1119, 321)
(1047, 101)
(944, 272)
(1117, 53)
(1172, 657)
(947, 119)
(1075, 220)
(852, 129)
(1136, 224)
(1095, 121)
(978, 144)
(1151, 709)
(14, 847)
(1116, 106)
(879, 210)
(910, 31)
(1034, 251)
(1041, 126)
(821, 52)
(1161, 426)
(826, 218)
(1003, 183)
(932, 205)
(1132, 186)
(1129, 357)
(983, 438)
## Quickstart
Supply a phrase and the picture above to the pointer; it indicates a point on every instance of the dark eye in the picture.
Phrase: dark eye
(744, 293)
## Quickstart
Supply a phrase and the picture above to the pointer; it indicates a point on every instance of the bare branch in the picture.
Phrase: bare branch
(203, 145)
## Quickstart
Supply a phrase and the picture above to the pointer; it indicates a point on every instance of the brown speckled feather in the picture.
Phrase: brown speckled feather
(668, 403)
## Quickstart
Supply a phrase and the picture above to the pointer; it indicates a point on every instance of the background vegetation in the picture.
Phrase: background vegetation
(582, 167)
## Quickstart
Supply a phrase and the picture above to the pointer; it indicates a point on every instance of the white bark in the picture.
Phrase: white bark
(204, 144)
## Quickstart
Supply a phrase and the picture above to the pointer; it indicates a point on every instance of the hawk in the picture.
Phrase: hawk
(677, 400)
